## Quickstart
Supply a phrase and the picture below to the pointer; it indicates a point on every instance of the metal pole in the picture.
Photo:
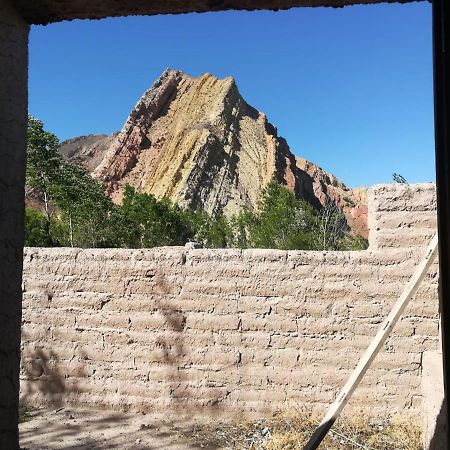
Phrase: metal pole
(441, 67)
(374, 347)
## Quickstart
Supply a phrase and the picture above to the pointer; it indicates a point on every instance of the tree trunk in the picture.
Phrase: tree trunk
(13, 129)
(71, 229)
(48, 219)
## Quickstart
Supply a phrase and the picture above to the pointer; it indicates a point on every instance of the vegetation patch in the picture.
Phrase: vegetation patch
(76, 212)
(26, 412)
(293, 432)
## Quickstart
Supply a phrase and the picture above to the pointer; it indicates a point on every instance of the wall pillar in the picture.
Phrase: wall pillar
(13, 126)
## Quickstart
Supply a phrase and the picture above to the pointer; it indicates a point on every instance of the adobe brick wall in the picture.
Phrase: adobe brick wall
(232, 331)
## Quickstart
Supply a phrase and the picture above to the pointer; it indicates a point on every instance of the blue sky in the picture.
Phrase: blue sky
(350, 89)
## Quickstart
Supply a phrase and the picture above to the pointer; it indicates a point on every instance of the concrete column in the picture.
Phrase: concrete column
(13, 127)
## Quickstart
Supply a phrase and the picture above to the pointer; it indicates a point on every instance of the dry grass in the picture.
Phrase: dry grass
(26, 412)
(346, 434)
(292, 433)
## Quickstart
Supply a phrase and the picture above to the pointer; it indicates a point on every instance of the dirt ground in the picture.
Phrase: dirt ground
(86, 429)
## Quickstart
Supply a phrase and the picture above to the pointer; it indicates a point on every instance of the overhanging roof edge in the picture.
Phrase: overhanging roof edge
(47, 11)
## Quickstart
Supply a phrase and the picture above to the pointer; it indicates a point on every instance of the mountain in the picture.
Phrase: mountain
(196, 141)
(87, 151)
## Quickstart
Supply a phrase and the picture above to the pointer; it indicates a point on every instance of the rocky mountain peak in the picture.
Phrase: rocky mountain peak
(196, 141)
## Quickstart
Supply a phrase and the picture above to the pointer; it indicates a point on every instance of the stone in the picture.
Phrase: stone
(192, 245)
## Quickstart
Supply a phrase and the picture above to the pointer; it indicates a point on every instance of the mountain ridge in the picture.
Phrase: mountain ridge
(196, 141)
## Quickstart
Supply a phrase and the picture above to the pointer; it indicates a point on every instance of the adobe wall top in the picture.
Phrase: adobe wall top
(46, 11)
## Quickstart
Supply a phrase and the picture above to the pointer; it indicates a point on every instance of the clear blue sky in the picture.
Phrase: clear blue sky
(350, 89)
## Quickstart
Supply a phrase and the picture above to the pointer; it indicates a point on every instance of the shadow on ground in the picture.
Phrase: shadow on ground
(85, 429)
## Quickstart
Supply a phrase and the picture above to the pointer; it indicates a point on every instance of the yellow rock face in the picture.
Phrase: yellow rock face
(197, 142)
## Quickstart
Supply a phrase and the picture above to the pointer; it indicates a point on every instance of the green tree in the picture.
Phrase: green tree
(210, 231)
(399, 178)
(281, 221)
(284, 222)
(76, 209)
(151, 222)
(36, 230)
(240, 226)
(43, 163)
(332, 228)
(88, 211)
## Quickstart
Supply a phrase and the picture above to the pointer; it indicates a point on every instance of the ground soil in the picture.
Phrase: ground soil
(87, 429)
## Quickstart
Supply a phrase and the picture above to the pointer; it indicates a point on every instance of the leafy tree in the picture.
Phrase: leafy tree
(240, 227)
(209, 231)
(43, 163)
(332, 228)
(85, 207)
(281, 221)
(152, 222)
(399, 179)
(284, 222)
(36, 231)
(83, 212)
(355, 243)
